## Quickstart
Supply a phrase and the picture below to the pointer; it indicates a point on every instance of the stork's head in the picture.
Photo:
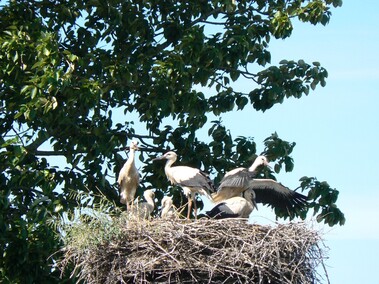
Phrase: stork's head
(262, 161)
(149, 194)
(249, 195)
(134, 145)
(259, 161)
(171, 156)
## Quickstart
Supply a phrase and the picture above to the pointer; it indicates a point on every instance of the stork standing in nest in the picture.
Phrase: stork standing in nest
(128, 178)
(266, 191)
(191, 180)
(235, 207)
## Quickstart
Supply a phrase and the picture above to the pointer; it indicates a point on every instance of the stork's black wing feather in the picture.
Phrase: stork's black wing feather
(201, 179)
(276, 195)
(217, 213)
(210, 183)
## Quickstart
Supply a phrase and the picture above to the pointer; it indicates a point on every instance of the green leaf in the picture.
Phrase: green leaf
(277, 168)
(14, 140)
(33, 93)
(38, 64)
(234, 75)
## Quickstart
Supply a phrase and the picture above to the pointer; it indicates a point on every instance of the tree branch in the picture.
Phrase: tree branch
(41, 138)
(204, 17)
(48, 153)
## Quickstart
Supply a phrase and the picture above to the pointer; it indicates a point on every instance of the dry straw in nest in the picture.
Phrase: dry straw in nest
(204, 251)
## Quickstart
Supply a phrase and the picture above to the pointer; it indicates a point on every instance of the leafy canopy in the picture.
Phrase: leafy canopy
(68, 69)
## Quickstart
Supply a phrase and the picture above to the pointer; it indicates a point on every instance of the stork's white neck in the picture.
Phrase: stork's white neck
(166, 208)
(131, 156)
(149, 200)
(169, 164)
(255, 165)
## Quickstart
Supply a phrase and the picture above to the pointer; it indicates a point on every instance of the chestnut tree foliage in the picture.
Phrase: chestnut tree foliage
(76, 77)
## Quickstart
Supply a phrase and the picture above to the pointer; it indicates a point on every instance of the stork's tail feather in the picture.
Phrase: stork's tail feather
(210, 183)
(223, 215)
(200, 216)
(220, 215)
(216, 213)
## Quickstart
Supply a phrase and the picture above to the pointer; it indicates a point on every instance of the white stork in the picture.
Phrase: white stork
(144, 209)
(234, 181)
(128, 178)
(267, 191)
(235, 207)
(191, 180)
(168, 212)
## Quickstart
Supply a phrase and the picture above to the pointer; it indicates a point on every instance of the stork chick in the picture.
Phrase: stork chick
(128, 178)
(168, 211)
(191, 180)
(143, 210)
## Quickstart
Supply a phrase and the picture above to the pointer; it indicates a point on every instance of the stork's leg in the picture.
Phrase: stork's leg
(195, 208)
(189, 206)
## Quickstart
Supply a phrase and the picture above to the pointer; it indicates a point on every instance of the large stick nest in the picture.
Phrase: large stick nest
(204, 251)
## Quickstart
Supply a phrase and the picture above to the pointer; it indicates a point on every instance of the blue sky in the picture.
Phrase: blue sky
(335, 129)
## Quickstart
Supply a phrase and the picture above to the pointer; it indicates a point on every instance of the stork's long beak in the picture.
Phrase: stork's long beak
(253, 200)
(158, 158)
(255, 204)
